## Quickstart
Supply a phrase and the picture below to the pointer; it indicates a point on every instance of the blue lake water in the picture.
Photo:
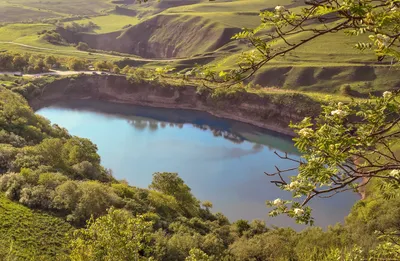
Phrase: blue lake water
(221, 160)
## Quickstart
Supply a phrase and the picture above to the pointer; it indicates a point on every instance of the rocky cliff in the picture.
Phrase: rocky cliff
(272, 112)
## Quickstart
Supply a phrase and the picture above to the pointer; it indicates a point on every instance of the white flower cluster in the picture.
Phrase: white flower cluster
(339, 113)
(306, 132)
(387, 95)
(384, 40)
(278, 202)
(280, 9)
(294, 185)
(395, 173)
(298, 211)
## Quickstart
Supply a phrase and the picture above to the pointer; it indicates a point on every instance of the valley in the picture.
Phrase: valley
(199, 130)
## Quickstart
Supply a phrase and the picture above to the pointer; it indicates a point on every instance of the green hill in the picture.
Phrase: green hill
(194, 30)
(26, 10)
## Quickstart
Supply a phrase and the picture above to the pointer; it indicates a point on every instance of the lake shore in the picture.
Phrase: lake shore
(268, 112)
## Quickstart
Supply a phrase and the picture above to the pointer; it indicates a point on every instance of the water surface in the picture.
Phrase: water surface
(221, 160)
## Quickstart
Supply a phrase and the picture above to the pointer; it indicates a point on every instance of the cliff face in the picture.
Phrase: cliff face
(272, 112)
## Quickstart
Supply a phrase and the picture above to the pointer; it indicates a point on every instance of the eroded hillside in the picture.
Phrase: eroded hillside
(163, 36)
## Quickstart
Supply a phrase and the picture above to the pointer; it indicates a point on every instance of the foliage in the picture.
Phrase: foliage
(103, 66)
(272, 245)
(171, 184)
(52, 37)
(25, 62)
(79, 28)
(115, 236)
(82, 46)
(76, 64)
(347, 143)
(196, 254)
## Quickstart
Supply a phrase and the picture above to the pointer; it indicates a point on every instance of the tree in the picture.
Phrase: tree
(115, 236)
(171, 184)
(6, 61)
(207, 205)
(77, 64)
(196, 254)
(52, 37)
(273, 245)
(241, 226)
(77, 150)
(116, 69)
(346, 144)
(50, 61)
(86, 170)
(19, 62)
(103, 66)
(82, 200)
(82, 46)
(49, 150)
(375, 215)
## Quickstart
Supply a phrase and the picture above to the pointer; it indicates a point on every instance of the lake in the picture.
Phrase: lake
(221, 160)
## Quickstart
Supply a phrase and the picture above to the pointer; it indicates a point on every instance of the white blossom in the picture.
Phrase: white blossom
(306, 132)
(384, 40)
(294, 184)
(387, 95)
(339, 113)
(280, 9)
(278, 202)
(395, 173)
(298, 211)
(393, 9)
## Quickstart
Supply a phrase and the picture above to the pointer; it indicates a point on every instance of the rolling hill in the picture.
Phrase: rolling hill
(196, 30)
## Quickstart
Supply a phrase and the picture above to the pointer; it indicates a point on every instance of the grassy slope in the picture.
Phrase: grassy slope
(243, 13)
(332, 50)
(36, 9)
(110, 23)
(239, 14)
(27, 34)
(12, 13)
(233, 6)
(22, 32)
(32, 233)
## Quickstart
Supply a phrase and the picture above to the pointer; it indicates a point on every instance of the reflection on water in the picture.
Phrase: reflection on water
(151, 119)
(221, 160)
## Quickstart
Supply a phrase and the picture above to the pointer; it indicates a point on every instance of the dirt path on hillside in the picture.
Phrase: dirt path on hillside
(58, 73)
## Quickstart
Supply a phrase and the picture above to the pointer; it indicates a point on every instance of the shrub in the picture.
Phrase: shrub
(345, 90)
(52, 37)
(86, 170)
(82, 46)
(51, 180)
(37, 197)
(12, 184)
